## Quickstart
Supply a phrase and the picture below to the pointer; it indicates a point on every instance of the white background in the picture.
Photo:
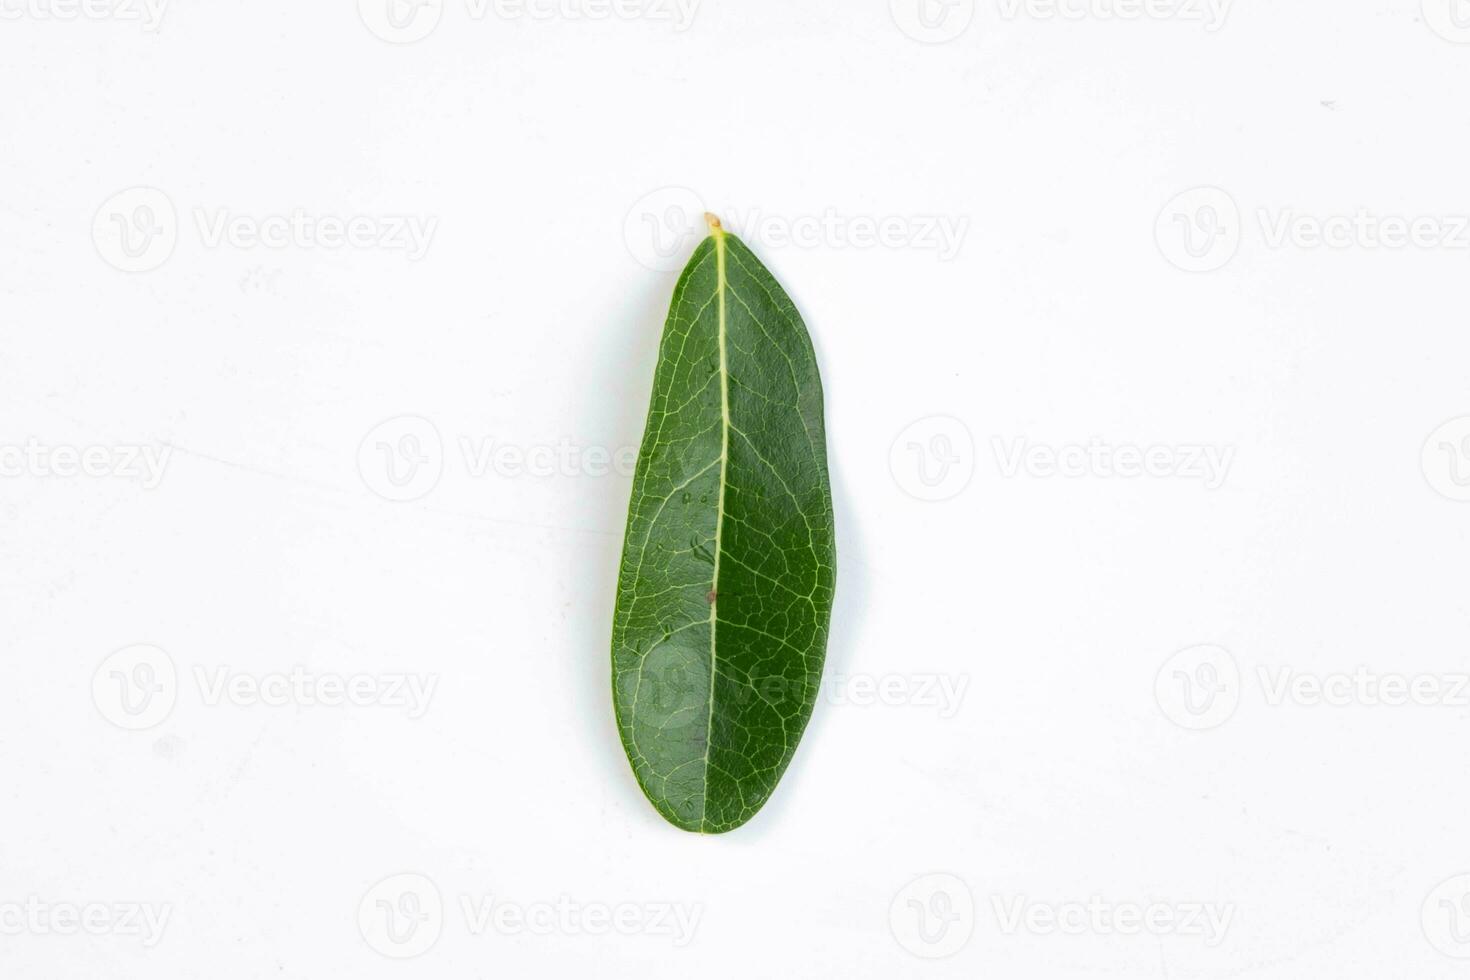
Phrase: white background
(1079, 764)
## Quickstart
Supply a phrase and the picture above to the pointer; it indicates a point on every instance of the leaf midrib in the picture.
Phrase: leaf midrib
(714, 589)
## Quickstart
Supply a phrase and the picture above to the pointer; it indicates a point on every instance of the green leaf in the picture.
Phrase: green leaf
(725, 592)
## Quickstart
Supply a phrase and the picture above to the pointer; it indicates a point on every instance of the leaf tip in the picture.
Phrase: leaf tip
(715, 228)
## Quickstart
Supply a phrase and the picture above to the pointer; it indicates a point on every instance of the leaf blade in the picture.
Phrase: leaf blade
(732, 510)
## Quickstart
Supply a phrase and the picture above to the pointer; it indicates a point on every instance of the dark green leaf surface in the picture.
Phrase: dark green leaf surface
(725, 591)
